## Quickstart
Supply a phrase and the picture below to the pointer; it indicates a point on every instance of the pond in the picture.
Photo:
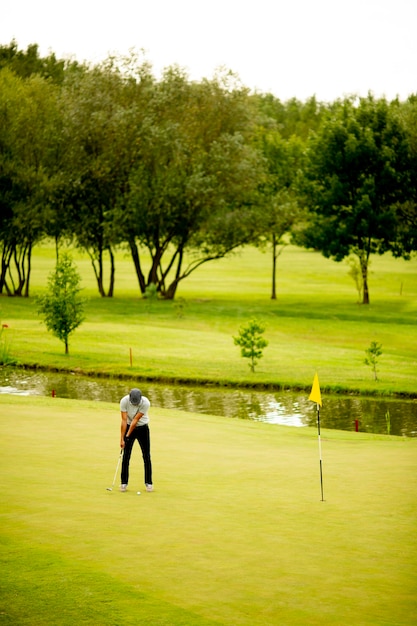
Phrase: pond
(289, 408)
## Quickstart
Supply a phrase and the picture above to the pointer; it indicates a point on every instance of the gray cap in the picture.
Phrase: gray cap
(135, 396)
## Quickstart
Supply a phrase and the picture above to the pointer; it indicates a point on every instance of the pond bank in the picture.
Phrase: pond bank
(277, 406)
(201, 382)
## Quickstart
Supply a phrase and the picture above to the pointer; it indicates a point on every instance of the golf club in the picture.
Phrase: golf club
(117, 469)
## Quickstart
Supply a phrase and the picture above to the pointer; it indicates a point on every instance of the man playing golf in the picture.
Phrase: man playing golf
(135, 419)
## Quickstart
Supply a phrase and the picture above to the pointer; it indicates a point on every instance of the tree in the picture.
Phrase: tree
(282, 129)
(358, 166)
(102, 108)
(28, 143)
(404, 238)
(193, 186)
(372, 355)
(61, 307)
(291, 118)
(27, 63)
(251, 342)
(32, 152)
(279, 210)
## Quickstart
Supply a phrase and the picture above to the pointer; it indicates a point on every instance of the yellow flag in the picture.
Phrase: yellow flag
(315, 395)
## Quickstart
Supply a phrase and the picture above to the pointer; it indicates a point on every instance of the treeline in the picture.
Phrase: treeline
(184, 172)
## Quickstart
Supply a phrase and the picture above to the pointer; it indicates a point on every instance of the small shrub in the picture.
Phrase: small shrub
(151, 296)
(372, 355)
(151, 292)
(251, 342)
(61, 307)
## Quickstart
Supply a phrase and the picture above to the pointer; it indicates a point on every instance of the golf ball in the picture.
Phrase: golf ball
(138, 493)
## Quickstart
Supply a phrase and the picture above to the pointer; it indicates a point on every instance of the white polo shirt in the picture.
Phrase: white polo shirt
(132, 409)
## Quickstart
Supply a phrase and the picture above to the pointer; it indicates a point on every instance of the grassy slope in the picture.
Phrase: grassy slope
(235, 532)
(316, 324)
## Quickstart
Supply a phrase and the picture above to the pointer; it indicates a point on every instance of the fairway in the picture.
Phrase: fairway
(234, 534)
(315, 324)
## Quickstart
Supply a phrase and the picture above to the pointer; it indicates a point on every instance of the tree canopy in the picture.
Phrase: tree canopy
(192, 187)
(181, 172)
(358, 167)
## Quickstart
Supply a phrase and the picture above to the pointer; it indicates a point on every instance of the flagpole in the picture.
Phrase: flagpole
(321, 462)
(315, 396)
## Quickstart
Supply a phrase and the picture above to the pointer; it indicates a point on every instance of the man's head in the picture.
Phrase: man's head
(135, 396)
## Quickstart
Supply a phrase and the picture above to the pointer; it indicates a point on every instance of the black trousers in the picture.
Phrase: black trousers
(142, 435)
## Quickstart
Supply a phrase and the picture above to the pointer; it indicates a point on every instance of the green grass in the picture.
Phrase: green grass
(234, 534)
(315, 324)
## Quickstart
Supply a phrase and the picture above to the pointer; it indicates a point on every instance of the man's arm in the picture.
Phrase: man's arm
(123, 428)
(133, 424)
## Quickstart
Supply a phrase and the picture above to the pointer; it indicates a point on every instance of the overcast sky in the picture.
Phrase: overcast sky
(292, 48)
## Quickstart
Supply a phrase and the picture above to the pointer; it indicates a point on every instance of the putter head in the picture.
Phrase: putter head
(109, 488)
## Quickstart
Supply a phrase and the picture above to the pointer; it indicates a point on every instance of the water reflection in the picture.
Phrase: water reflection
(399, 417)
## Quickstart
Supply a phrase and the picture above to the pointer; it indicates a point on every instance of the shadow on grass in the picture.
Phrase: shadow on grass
(40, 586)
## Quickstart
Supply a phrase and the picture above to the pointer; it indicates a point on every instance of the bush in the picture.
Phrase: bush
(251, 343)
(61, 307)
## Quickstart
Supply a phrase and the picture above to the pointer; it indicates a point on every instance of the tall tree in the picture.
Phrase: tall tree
(193, 185)
(101, 120)
(28, 115)
(279, 210)
(281, 132)
(404, 239)
(358, 164)
(26, 63)
(292, 117)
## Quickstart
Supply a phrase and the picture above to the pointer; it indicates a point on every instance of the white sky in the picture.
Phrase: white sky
(291, 48)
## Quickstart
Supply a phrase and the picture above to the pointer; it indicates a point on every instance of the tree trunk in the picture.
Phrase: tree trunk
(169, 294)
(274, 267)
(99, 277)
(99, 272)
(112, 274)
(29, 263)
(136, 262)
(364, 268)
(5, 264)
(19, 261)
(153, 272)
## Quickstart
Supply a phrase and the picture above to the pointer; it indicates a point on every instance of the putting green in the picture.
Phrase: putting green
(235, 532)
